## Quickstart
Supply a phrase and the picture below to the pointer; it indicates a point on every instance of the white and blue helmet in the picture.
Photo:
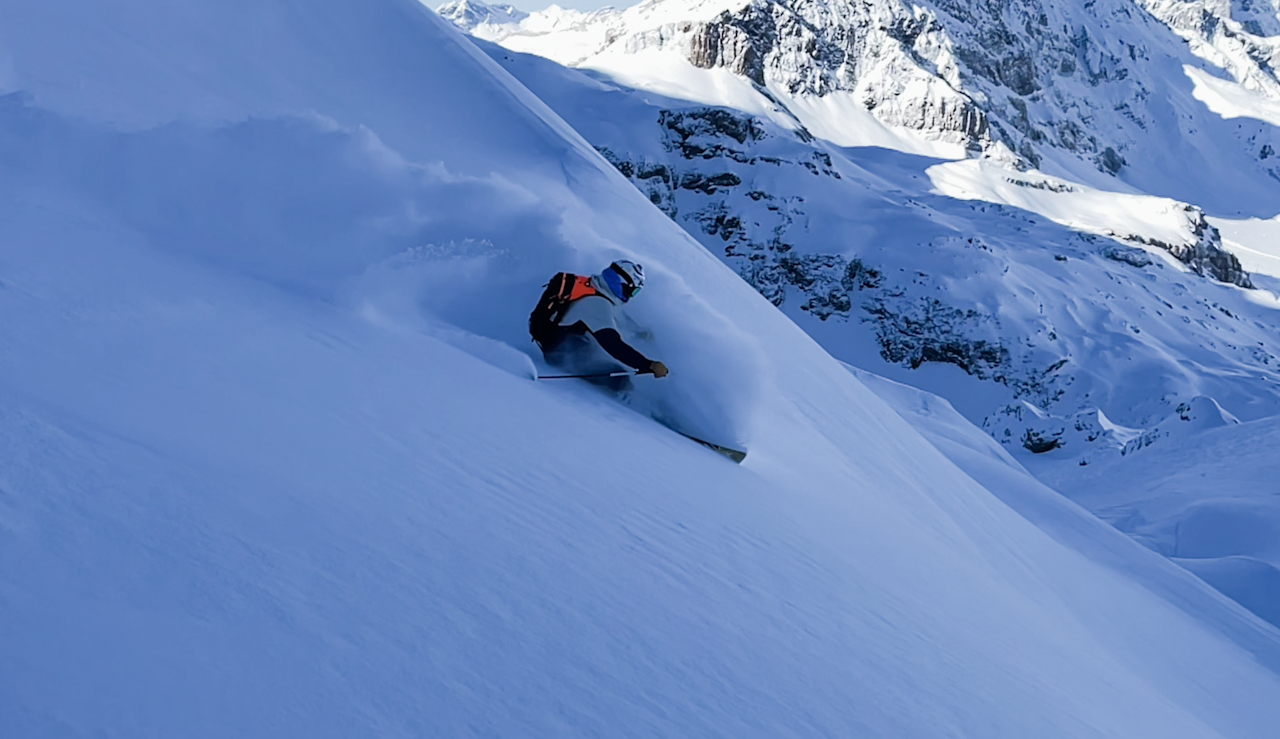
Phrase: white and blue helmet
(624, 278)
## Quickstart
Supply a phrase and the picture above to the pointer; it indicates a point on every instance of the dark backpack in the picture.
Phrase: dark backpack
(563, 289)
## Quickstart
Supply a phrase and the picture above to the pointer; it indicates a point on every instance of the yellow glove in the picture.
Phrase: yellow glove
(659, 370)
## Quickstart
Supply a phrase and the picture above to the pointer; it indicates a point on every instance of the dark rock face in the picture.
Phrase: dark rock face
(709, 172)
(1205, 256)
(1013, 79)
(910, 330)
(1028, 74)
(1039, 444)
(729, 46)
(1128, 255)
(654, 179)
(809, 47)
(827, 283)
(700, 133)
(927, 330)
(1110, 161)
(708, 185)
(705, 135)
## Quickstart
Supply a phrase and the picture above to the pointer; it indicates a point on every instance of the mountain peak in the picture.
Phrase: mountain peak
(468, 14)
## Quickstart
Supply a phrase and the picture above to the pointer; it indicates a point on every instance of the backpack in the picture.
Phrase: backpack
(563, 289)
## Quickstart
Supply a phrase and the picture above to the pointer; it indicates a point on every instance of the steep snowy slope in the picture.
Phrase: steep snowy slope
(1207, 500)
(273, 467)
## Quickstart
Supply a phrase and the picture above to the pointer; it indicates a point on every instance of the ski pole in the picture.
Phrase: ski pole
(583, 377)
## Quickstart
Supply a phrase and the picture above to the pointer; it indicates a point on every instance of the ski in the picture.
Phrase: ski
(734, 454)
(586, 377)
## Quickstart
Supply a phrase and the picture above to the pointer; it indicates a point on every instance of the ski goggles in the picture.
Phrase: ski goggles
(620, 283)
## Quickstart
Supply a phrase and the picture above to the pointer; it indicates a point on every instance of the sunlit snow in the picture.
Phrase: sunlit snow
(1230, 99)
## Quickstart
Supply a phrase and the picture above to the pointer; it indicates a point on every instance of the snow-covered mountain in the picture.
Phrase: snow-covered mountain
(479, 19)
(1040, 290)
(1241, 38)
(275, 464)
(1088, 319)
(492, 22)
(1107, 85)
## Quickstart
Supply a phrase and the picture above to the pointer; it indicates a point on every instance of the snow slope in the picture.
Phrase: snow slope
(274, 466)
(1209, 501)
(1256, 241)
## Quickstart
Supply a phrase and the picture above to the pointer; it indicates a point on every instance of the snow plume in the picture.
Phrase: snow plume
(434, 289)
(477, 296)
(718, 378)
(474, 285)
(467, 262)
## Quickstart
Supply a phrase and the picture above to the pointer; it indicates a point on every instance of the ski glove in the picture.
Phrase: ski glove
(659, 370)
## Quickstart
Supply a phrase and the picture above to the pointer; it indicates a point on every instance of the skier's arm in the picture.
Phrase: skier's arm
(611, 341)
(595, 314)
(633, 328)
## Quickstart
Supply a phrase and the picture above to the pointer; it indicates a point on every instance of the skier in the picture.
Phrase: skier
(576, 315)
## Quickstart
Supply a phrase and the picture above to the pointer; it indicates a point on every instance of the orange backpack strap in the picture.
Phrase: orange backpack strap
(561, 290)
(582, 288)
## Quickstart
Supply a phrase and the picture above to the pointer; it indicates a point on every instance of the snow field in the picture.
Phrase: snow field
(1231, 99)
(320, 526)
(1073, 205)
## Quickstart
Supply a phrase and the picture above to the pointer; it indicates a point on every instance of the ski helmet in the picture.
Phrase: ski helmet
(624, 278)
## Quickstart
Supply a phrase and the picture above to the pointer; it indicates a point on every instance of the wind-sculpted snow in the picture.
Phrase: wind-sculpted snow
(252, 486)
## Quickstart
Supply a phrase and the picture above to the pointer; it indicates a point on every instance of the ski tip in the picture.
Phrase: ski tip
(735, 454)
